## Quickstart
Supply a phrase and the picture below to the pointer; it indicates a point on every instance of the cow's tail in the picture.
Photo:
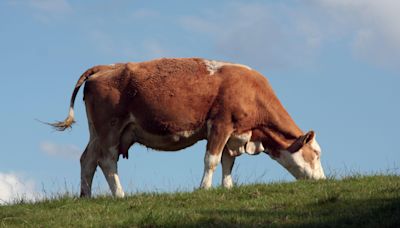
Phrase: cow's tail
(67, 123)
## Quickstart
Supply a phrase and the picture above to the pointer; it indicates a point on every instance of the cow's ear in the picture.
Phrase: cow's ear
(308, 137)
(301, 141)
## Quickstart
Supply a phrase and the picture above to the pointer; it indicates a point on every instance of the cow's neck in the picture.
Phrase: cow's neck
(280, 131)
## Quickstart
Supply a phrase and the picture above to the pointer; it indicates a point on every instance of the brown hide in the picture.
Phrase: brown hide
(170, 96)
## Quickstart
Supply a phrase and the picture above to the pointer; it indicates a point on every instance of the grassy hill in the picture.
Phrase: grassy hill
(372, 201)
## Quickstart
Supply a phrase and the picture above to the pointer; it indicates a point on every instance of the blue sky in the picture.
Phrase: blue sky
(333, 64)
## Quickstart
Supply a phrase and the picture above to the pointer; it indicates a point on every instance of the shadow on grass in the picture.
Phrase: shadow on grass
(335, 213)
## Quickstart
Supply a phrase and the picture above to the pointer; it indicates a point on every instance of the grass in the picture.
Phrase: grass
(370, 201)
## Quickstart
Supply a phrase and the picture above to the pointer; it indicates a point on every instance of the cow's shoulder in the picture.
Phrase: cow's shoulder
(186, 66)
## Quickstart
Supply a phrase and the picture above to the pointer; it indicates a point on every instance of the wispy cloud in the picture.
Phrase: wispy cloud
(285, 35)
(13, 188)
(63, 151)
(373, 27)
(260, 34)
(122, 47)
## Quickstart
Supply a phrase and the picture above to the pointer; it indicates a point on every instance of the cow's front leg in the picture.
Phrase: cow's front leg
(227, 165)
(217, 137)
(108, 164)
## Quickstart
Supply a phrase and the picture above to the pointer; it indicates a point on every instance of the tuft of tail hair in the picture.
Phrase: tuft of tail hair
(67, 123)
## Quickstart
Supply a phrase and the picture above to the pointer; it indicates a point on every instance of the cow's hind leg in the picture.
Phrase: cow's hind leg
(88, 167)
(227, 165)
(218, 135)
(108, 164)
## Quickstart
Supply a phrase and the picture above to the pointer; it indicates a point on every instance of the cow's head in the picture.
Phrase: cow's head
(302, 158)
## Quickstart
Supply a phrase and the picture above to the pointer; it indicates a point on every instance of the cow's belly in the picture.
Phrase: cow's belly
(166, 142)
(172, 142)
(135, 133)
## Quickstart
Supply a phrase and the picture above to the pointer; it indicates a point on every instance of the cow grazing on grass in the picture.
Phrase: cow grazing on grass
(170, 104)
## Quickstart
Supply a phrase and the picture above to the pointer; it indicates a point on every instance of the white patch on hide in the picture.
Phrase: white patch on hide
(101, 73)
(227, 165)
(236, 143)
(210, 163)
(186, 134)
(239, 144)
(254, 148)
(227, 181)
(175, 138)
(71, 112)
(213, 66)
(111, 174)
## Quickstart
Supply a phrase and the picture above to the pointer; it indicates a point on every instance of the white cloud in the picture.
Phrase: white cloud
(261, 34)
(64, 151)
(373, 27)
(282, 34)
(13, 187)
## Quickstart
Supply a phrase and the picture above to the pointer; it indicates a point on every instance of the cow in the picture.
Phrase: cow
(169, 104)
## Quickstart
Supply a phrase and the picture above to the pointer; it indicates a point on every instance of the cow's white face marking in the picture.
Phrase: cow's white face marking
(213, 66)
(318, 171)
(298, 166)
(315, 146)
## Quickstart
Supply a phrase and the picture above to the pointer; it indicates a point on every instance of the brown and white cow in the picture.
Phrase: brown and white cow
(170, 104)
